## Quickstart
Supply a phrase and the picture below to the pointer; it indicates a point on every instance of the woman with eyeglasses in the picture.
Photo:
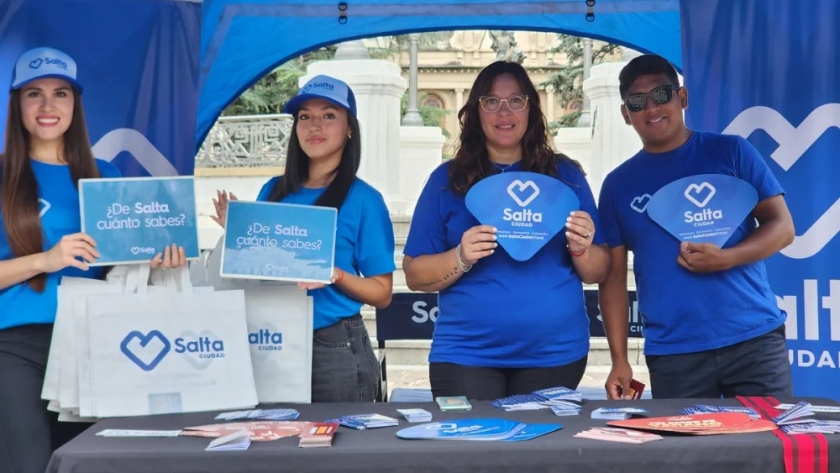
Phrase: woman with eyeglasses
(712, 325)
(505, 327)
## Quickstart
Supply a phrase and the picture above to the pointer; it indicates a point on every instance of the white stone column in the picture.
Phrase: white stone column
(421, 151)
(459, 100)
(613, 141)
(379, 87)
(550, 99)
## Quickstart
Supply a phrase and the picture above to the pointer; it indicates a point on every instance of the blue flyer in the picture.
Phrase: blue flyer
(134, 218)
(707, 208)
(463, 429)
(279, 242)
(528, 209)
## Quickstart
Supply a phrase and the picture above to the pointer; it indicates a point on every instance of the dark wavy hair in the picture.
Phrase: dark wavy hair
(18, 187)
(472, 163)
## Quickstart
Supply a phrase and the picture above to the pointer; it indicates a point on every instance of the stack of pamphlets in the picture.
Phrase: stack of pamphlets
(825, 409)
(320, 434)
(795, 415)
(708, 409)
(617, 413)
(260, 414)
(565, 409)
(366, 421)
(416, 415)
(561, 397)
(616, 434)
(477, 430)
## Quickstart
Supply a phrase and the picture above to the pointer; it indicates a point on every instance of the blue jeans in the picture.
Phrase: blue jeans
(756, 367)
(344, 366)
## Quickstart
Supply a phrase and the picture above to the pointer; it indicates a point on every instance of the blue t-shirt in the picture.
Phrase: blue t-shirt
(364, 244)
(60, 216)
(683, 312)
(503, 313)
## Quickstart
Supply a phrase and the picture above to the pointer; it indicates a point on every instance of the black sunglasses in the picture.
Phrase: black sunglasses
(659, 95)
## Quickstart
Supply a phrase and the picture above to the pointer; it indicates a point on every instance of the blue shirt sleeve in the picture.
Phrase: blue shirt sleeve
(266, 189)
(374, 251)
(575, 176)
(751, 167)
(610, 226)
(427, 235)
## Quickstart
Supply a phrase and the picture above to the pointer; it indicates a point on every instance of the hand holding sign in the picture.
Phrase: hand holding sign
(526, 209)
(707, 208)
(703, 258)
(478, 242)
(221, 205)
(76, 250)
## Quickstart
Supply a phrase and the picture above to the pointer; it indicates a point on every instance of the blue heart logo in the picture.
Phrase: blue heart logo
(528, 209)
(143, 354)
(640, 203)
(707, 208)
(35, 64)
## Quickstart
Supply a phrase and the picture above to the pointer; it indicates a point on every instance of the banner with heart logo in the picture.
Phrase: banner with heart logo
(706, 208)
(133, 219)
(528, 209)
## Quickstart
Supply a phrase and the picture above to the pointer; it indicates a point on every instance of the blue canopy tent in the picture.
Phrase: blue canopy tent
(242, 40)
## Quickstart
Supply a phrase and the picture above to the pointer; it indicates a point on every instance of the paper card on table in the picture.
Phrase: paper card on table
(528, 209)
(239, 440)
(280, 242)
(134, 218)
(258, 431)
(707, 208)
(532, 431)
(138, 433)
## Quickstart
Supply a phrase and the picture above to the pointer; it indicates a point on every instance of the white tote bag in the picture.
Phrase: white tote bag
(170, 352)
(280, 336)
(280, 318)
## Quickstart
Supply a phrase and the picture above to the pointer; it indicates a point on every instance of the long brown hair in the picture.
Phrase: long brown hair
(472, 162)
(18, 187)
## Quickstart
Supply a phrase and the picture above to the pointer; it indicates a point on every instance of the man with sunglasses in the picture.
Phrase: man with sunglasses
(711, 324)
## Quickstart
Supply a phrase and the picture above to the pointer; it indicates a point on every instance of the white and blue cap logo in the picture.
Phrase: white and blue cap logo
(323, 87)
(42, 63)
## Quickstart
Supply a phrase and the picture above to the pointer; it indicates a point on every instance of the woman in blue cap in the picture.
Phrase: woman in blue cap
(321, 165)
(46, 152)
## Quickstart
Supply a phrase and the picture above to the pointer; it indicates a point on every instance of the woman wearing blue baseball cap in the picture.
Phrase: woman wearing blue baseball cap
(46, 152)
(321, 165)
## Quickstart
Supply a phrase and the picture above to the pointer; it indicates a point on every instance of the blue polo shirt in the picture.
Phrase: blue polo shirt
(683, 312)
(60, 216)
(503, 313)
(364, 244)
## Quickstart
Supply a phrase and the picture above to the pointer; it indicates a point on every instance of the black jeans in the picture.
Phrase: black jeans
(486, 384)
(756, 367)
(344, 366)
(28, 431)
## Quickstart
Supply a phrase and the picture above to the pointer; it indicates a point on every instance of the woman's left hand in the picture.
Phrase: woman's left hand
(337, 276)
(580, 229)
(173, 257)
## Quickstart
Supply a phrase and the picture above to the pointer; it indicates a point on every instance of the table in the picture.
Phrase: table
(379, 450)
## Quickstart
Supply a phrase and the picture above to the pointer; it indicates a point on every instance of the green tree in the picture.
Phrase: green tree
(568, 81)
(270, 94)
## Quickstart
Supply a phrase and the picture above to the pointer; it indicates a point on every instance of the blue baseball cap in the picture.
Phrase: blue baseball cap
(41, 63)
(323, 87)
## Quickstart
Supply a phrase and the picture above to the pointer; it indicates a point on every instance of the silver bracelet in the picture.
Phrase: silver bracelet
(465, 268)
